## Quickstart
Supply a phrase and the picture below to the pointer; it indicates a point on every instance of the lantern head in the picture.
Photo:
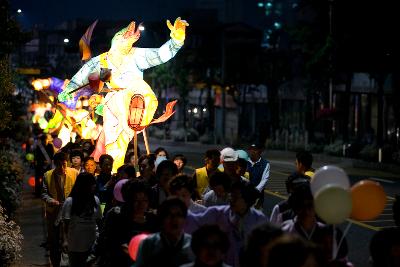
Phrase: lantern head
(125, 38)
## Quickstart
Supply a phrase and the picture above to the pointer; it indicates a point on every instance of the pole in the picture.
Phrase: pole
(223, 78)
(146, 141)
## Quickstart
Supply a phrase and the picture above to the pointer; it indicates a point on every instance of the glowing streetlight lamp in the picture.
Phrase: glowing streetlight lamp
(19, 10)
(141, 28)
(195, 110)
(66, 40)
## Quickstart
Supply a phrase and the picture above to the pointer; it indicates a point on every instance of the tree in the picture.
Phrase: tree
(11, 38)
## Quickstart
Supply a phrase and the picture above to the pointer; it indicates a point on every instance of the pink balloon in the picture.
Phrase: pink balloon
(134, 245)
(117, 190)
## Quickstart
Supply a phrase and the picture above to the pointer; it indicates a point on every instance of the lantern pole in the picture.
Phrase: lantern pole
(146, 142)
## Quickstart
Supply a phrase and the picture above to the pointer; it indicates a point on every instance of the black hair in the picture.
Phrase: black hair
(59, 157)
(249, 193)
(181, 181)
(87, 159)
(130, 155)
(220, 178)
(131, 188)
(130, 171)
(151, 158)
(295, 180)
(91, 146)
(180, 157)
(299, 197)
(200, 236)
(259, 237)
(166, 205)
(159, 149)
(166, 164)
(292, 251)
(212, 153)
(82, 195)
(76, 153)
(305, 158)
(103, 157)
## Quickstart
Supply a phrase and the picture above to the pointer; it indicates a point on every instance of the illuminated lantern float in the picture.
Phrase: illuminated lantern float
(67, 120)
(130, 103)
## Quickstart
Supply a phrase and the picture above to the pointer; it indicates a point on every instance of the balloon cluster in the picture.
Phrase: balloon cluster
(335, 200)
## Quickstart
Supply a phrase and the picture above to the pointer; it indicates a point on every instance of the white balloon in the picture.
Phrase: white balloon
(333, 204)
(329, 175)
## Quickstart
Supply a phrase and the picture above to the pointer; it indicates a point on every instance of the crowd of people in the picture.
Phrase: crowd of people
(211, 217)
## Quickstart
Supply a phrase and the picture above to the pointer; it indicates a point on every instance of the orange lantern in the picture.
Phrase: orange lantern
(31, 181)
(136, 111)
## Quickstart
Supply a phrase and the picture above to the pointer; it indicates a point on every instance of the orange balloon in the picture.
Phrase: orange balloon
(31, 181)
(369, 200)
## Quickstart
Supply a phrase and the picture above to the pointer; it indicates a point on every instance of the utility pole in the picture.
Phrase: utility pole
(223, 93)
(330, 56)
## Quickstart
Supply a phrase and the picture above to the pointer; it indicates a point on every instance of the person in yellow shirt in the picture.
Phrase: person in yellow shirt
(202, 175)
(57, 185)
(304, 160)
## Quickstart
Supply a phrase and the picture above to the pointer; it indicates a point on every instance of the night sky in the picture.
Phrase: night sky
(49, 13)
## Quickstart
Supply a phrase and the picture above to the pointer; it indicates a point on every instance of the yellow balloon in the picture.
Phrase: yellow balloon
(333, 204)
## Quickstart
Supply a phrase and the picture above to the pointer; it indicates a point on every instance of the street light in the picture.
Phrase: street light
(19, 10)
(141, 28)
(66, 40)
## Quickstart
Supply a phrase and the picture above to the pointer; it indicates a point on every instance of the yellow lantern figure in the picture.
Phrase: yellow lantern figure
(130, 95)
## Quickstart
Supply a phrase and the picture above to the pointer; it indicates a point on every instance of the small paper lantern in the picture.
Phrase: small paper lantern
(31, 181)
(136, 111)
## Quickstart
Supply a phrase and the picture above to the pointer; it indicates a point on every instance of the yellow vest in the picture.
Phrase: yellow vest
(309, 174)
(70, 178)
(201, 180)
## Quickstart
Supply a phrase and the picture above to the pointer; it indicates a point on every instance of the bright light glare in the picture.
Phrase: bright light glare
(19, 10)
(195, 110)
(204, 109)
(66, 40)
(141, 28)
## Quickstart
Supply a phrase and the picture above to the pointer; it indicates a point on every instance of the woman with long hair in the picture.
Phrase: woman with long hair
(81, 214)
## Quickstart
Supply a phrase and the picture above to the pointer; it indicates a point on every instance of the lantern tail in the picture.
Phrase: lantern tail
(169, 111)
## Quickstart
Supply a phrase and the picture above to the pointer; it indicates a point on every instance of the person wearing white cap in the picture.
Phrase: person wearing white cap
(229, 159)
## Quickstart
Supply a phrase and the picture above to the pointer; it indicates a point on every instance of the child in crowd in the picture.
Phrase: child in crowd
(180, 161)
(219, 194)
(182, 187)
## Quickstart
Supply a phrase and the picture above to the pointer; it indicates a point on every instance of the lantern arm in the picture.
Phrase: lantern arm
(149, 57)
(80, 79)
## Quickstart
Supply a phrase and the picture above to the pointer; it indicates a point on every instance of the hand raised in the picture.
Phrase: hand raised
(178, 29)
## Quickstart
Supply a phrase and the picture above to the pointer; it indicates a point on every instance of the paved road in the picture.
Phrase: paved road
(282, 164)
